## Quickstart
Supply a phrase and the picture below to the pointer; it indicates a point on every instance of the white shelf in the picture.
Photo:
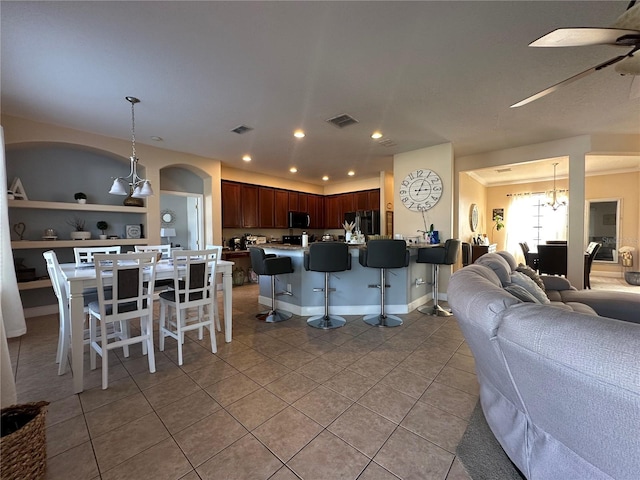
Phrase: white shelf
(47, 244)
(45, 282)
(88, 207)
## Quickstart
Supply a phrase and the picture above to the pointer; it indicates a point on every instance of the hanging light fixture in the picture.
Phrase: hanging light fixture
(132, 184)
(554, 203)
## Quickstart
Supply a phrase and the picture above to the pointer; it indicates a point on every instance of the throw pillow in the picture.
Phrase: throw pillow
(530, 286)
(531, 273)
(520, 293)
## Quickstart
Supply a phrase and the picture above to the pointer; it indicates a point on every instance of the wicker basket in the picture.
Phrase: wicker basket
(23, 443)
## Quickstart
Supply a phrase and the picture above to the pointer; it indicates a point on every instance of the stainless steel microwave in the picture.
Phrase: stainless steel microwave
(299, 220)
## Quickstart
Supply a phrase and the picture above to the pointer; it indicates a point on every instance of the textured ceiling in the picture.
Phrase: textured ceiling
(423, 73)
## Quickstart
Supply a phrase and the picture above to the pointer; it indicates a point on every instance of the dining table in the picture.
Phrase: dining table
(79, 279)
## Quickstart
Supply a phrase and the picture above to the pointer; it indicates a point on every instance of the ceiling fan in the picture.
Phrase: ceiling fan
(625, 32)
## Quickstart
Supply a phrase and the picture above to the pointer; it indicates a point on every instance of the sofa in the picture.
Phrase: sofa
(559, 380)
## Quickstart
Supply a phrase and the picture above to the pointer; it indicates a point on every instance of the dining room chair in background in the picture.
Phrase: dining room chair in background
(590, 254)
(190, 304)
(129, 300)
(84, 255)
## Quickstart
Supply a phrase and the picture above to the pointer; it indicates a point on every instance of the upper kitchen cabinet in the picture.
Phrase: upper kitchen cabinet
(250, 215)
(266, 204)
(332, 212)
(367, 200)
(315, 207)
(231, 205)
(293, 201)
(281, 208)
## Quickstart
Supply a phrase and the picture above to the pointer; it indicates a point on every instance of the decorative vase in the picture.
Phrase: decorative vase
(347, 237)
(80, 235)
(103, 237)
(82, 200)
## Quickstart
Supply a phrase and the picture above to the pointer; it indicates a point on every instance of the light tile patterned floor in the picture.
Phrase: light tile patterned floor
(282, 401)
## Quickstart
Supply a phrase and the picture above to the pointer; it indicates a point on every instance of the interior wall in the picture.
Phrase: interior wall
(471, 191)
(406, 222)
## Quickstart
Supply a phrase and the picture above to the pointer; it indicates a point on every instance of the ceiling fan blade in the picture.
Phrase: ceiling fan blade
(569, 80)
(580, 37)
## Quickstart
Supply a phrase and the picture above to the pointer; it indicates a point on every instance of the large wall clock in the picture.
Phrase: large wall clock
(420, 190)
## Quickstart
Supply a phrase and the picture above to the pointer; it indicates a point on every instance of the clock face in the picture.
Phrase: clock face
(420, 190)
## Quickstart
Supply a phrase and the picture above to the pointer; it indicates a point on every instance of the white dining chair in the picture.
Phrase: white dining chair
(190, 305)
(165, 249)
(60, 289)
(84, 255)
(128, 300)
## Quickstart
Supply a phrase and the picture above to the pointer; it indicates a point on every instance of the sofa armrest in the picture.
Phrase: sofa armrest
(552, 282)
(579, 379)
(619, 305)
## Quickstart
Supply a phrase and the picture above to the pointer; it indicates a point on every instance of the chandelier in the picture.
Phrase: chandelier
(132, 184)
(554, 202)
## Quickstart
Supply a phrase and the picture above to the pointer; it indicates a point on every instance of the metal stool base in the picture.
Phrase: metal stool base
(434, 310)
(273, 316)
(326, 322)
(379, 320)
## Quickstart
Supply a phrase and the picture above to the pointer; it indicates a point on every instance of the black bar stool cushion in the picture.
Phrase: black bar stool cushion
(445, 255)
(327, 257)
(384, 253)
(263, 264)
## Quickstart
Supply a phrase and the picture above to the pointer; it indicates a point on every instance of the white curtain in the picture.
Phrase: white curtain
(530, 219)
(518, 225)
(11, 313)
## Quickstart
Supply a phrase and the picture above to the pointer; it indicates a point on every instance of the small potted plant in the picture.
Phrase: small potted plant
(78, 232)
(102, 226)
(80, 197)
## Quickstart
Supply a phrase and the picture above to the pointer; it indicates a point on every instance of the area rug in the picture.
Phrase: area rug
(482, 455)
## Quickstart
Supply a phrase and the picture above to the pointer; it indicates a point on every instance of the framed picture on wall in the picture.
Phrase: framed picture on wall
(133, 231)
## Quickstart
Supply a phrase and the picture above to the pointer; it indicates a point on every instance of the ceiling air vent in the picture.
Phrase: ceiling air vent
(342, 121)
(387, 142)
(241, 129)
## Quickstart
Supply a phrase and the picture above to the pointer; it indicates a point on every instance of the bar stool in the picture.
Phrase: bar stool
(271, 265)
(384, 254)
(327, 257)
(446, 255)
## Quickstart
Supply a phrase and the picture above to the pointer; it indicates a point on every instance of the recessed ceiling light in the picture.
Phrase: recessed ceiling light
(293, 169)
(351, 173)
(376, 135)
(156, 138)
(325, 178)
(298, 134)
(246, 158)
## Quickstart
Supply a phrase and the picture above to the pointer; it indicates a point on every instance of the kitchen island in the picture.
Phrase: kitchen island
(352, 295)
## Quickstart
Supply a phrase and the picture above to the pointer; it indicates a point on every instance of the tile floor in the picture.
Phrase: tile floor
(282, 401)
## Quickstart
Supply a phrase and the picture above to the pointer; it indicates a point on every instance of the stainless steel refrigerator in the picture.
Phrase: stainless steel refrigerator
(367, 221)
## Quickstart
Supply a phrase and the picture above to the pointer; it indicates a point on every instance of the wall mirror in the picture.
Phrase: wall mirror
(473, 217)
(167, 217)
(603, 226)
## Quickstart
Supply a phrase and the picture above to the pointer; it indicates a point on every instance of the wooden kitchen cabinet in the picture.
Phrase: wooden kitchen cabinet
(266, 204)
(293, 201)
(281, 209)
(303, 202)
(231, 205)
(373, 199)
(332, 209)
(249, 200)
(347, 204)
(315, 207)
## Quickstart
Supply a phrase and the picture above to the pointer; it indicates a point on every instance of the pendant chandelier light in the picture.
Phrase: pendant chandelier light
(132, 184)
(554, 202)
